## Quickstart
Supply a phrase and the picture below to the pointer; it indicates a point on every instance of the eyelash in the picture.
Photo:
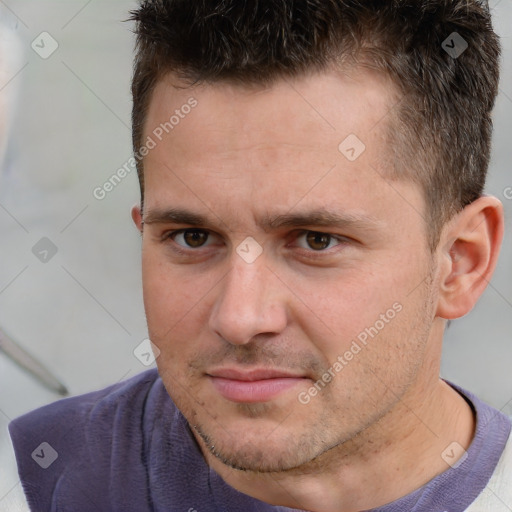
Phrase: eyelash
(311, 253)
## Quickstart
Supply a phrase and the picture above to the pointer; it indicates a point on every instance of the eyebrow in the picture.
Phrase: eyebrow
(317, 218)
(174, 216)
(320, 218)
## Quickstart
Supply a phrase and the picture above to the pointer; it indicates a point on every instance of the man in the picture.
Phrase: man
(312, 216)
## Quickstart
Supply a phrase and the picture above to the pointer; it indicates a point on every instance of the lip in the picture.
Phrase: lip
(252, 386)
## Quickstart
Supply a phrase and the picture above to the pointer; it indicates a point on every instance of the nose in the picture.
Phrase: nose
(249, 302)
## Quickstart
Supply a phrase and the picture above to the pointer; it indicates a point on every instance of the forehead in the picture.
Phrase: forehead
(313, 139)
(300, 110)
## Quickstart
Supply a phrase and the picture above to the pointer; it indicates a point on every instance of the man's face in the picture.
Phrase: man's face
(280, 346)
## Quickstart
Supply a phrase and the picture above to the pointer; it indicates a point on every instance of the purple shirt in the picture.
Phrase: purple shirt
(128, 448)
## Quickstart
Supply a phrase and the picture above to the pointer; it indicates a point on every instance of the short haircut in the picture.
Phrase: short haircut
(439, 132)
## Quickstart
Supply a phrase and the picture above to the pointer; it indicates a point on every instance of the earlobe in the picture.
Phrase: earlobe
(137, 217)
(470, 247)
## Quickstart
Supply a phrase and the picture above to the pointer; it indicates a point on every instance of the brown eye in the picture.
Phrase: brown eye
(192, 238)
(318, 241)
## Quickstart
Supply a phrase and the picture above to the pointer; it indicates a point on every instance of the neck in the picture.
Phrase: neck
(390, 459)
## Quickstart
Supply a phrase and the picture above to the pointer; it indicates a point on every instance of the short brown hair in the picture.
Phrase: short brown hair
(441, 130)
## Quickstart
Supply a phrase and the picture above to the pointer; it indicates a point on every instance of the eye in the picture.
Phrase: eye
(190, 238)
(316, 241)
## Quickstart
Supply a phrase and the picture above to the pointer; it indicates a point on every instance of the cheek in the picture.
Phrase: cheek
(342, 306)
(372, 305)
(172, 322)
(168, 297)
(177, 302)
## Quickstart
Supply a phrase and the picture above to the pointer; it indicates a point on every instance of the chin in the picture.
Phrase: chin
(258, 457)
(261, 447)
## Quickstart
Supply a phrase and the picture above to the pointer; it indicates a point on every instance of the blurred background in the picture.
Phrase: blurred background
(70, 284)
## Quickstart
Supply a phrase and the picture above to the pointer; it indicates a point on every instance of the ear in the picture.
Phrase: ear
(137, 217)
(470, 244)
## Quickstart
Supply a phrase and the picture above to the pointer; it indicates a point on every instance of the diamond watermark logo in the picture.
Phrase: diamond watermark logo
(249, 250)
(45, 45)
(147, 352)
(352, 147)
(44, 250)
(454, 45)
(45, 455)
(454, 455)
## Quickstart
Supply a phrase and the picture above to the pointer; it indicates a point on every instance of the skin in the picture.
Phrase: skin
(377, 430)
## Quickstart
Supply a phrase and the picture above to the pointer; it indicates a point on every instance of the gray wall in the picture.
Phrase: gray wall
(81, 313)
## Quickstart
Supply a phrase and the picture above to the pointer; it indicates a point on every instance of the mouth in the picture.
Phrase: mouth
(252, 386)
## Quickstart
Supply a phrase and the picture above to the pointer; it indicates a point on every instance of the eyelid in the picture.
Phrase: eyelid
(339, 238)
(170, 235)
